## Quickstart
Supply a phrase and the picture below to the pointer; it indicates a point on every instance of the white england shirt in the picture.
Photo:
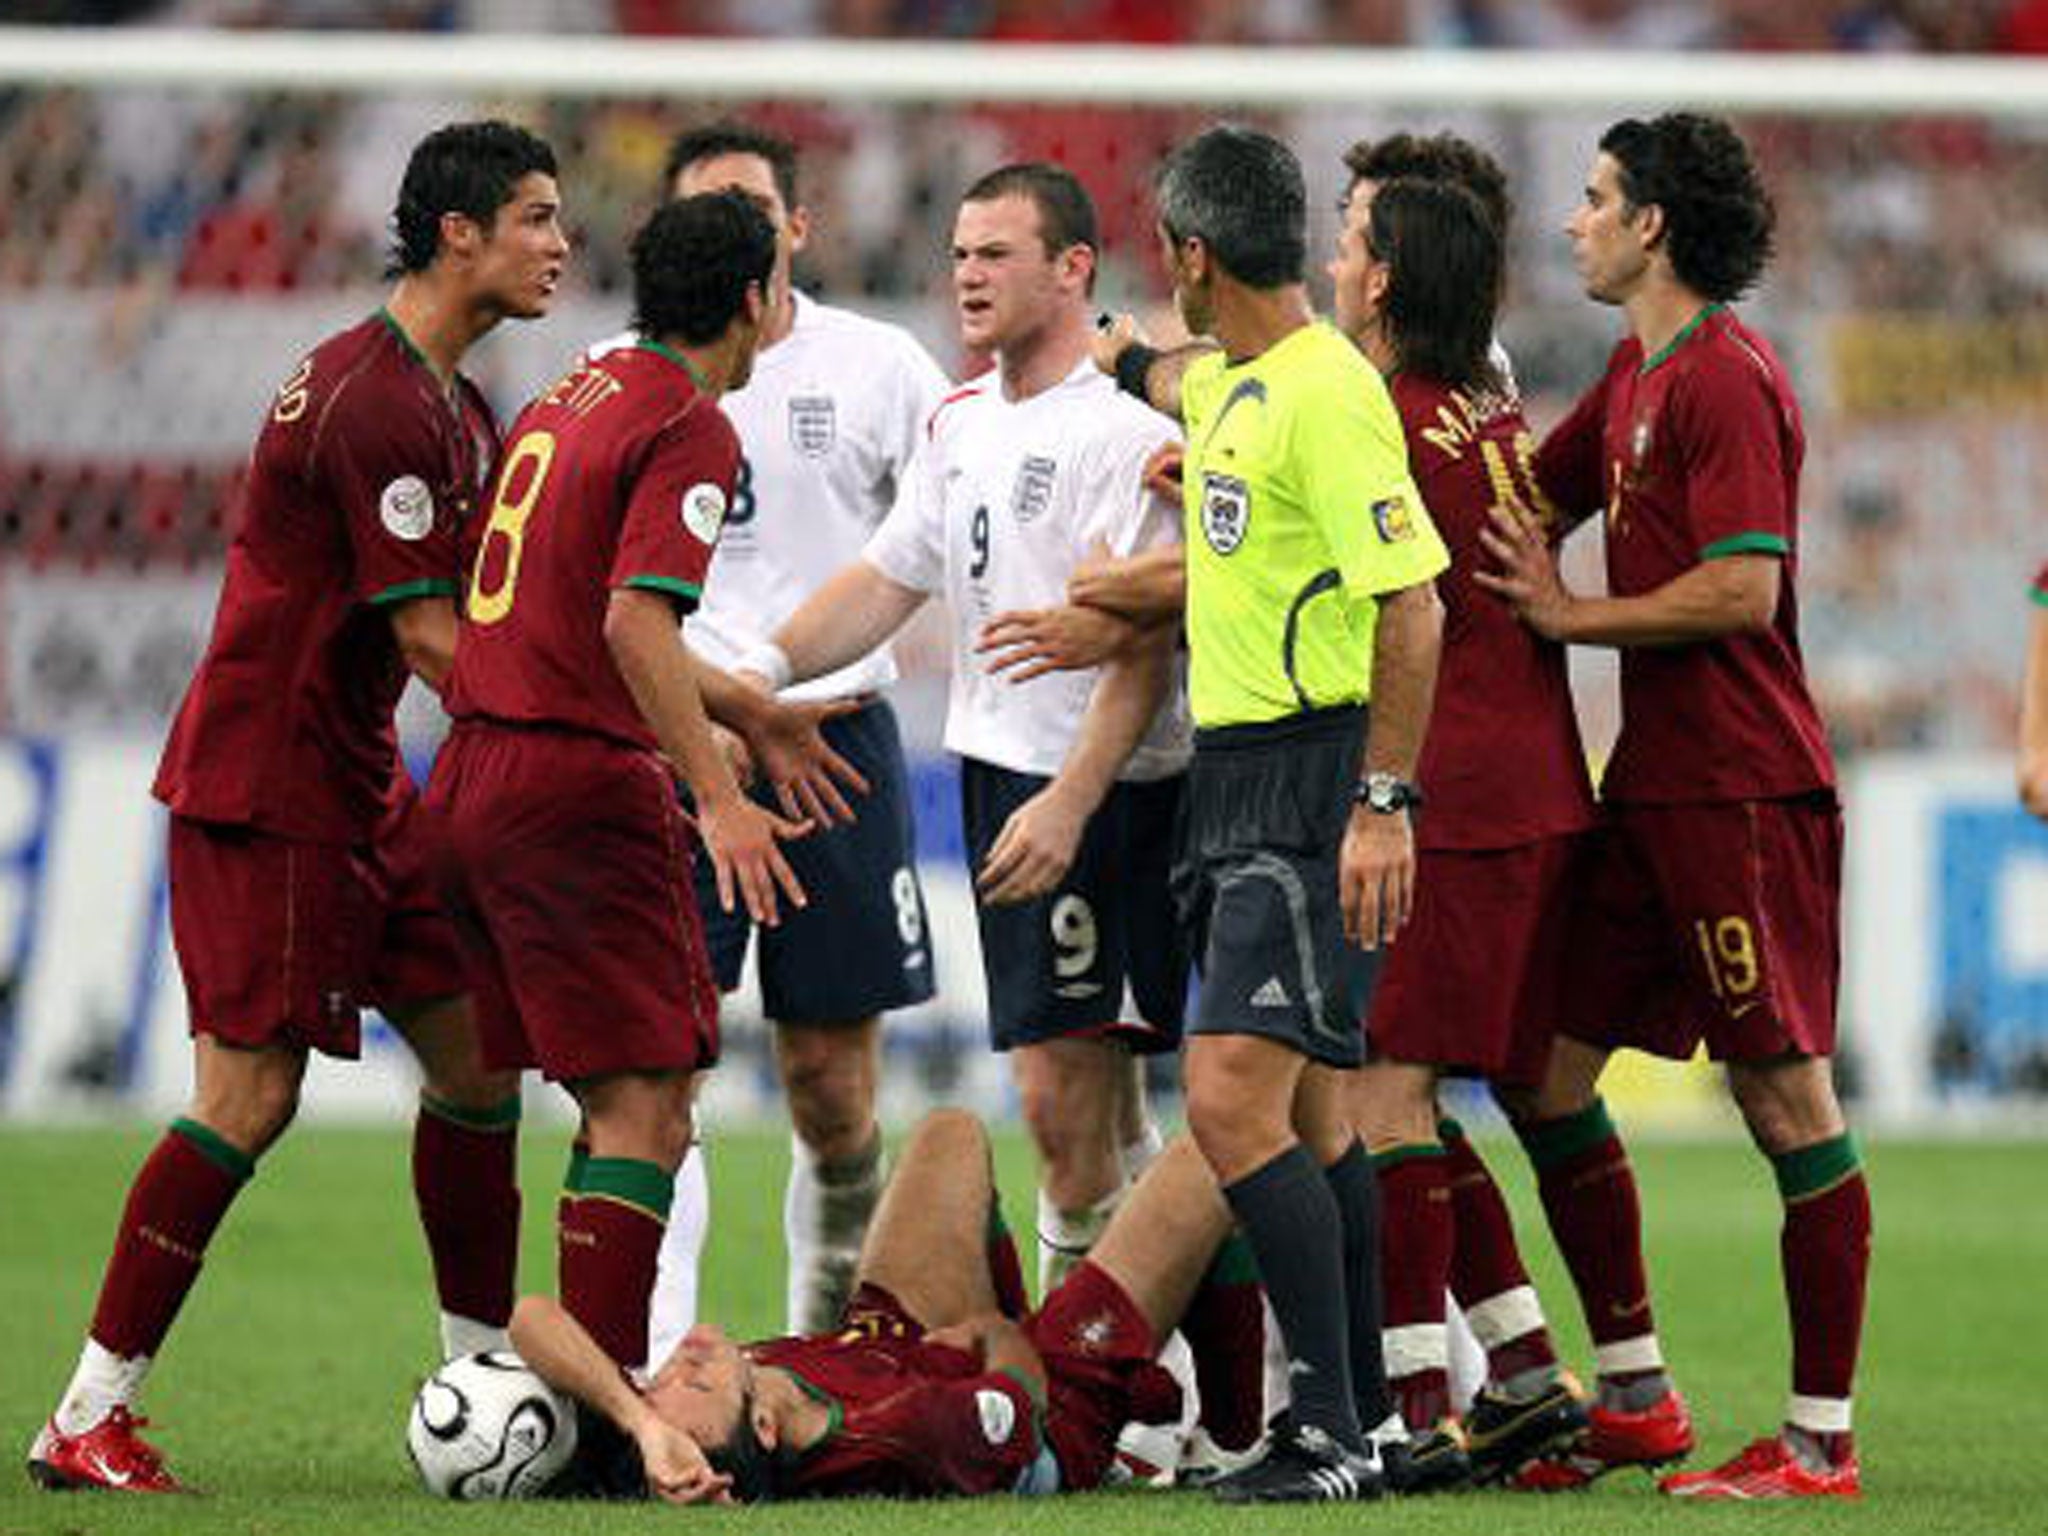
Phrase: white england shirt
(827, 426)
(1004, 500)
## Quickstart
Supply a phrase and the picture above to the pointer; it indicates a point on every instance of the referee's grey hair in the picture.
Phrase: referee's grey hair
(1239, 192)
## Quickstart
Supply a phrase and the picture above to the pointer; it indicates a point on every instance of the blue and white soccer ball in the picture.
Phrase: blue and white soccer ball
(485, 1427)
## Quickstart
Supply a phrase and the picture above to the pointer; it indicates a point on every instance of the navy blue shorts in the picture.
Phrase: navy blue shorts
(1256, 884)
(863, 945)
(1059, 966)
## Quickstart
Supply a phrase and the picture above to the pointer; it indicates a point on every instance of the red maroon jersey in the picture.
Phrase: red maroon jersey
(909, 1418)
(2040, 590)
(359, 489)
(1502, 764)
(618, 476)
(1694, 455)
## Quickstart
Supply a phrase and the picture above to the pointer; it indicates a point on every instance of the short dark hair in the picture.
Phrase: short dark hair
(467, 168)
(1718, 218)
(755, 1470)
(693, 261)
(1239, 192)
(1066, 213)
(1435, 157)
(1443, 251)
(728, 136)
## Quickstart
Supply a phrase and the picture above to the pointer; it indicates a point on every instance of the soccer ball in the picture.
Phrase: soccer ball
(485, 1427)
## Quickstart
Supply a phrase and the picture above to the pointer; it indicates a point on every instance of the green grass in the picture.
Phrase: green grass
(284, 1387)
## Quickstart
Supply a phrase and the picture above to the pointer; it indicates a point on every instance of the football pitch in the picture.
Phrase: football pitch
(284, 1389)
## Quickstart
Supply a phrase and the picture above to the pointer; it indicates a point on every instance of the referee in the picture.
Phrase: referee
(1313, 630)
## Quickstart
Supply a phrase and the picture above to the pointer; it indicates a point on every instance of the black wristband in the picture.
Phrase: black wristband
(1134, 367)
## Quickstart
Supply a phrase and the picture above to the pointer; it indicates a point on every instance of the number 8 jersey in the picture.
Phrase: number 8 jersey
(1003, 500)
(618, 476)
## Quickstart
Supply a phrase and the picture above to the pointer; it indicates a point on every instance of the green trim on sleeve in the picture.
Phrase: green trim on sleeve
(1747, 544)
(2039, 595)
(674, 588)
(406, 591)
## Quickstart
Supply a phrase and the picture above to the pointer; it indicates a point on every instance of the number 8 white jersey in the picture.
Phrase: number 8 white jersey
(827, 427)
(1003, 501)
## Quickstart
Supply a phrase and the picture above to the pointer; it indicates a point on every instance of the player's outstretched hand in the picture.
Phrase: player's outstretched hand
(1162, 470)
(677, 1470)
(1527, 575)
(733, 748)
(1030, 642)
(810, 778)
(1376, 877)
(742, 839)
(1034, 848)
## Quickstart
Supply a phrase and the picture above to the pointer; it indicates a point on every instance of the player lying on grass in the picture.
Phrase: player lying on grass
(939, 1381)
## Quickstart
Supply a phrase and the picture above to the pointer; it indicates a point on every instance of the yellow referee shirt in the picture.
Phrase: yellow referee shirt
(1300, 510)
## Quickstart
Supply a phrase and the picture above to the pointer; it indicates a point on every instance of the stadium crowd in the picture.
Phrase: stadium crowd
(123, 209)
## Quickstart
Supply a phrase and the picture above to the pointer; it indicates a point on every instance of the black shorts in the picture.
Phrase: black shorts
(1059, 966)
(1256, 884)
(863, 945)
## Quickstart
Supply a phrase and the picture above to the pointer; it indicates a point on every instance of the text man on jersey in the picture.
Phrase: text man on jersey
(298, 886)
(1069, 783)
(1712, 911)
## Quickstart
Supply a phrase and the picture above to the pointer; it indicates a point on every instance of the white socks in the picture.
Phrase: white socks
(103, 1381)
(672, 1308)
(825, 1214)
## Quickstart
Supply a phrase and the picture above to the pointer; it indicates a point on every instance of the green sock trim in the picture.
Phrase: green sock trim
(579, 1162)
(1448, 1131)
(631, 1181)
(216, 1149)
(1407, 1152)
(1550, 1142)
(502, 1116)
(1234, 1264)
(1816, 1169)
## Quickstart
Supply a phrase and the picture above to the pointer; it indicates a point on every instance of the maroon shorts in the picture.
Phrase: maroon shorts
(873, 1312)
(419, 957)
(276, 938)
(1101, 1372)
(1717, 923)
(1473, 982)
(565, 861)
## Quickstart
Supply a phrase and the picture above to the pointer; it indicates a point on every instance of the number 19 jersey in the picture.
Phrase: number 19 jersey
(618, 476)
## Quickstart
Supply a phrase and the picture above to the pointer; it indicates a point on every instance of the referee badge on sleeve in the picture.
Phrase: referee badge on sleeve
(1226, 511)
(1391, 519)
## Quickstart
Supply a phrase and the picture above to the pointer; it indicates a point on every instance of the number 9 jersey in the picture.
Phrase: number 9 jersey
(618, 476)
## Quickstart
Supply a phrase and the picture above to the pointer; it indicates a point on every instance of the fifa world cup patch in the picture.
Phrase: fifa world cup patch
(813, 425)
(1226, 511)
(1392, 520)
(704, 511)
(407, 509)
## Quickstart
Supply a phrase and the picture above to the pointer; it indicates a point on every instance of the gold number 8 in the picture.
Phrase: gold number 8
(519, 483)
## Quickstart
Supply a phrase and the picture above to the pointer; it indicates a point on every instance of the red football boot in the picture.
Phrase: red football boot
(1614, 1437)
(1767, 1469)
(109, 1455)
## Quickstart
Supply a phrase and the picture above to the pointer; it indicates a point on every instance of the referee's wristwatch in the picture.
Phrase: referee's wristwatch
(1385, 794)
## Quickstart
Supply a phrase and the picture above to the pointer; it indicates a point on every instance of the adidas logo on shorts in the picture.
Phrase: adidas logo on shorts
(1271, 995)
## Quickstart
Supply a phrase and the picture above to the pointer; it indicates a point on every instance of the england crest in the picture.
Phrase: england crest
(813, 425)
(1033, 491)
(1226, 511)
